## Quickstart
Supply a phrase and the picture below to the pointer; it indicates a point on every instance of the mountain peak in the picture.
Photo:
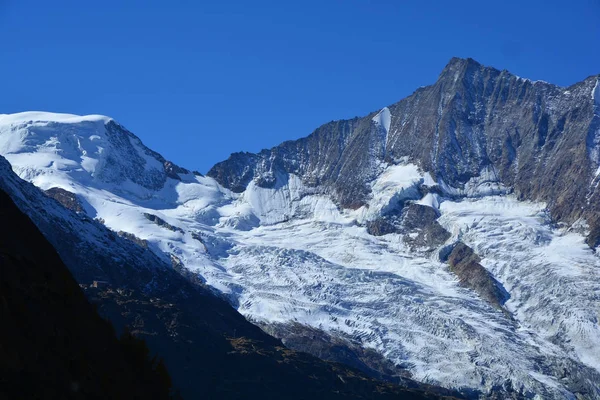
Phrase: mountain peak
(458, 67)
(459, 62)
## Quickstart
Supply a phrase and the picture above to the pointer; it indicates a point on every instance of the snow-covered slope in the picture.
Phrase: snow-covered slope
(287, 253)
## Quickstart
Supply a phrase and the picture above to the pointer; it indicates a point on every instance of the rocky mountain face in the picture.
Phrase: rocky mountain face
(474, 122)
(451, 231)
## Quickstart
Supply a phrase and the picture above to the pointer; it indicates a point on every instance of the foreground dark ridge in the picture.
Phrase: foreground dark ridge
(538, 139)
(53, 344)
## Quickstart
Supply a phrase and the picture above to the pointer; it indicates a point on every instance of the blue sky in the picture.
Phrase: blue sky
(197, 80)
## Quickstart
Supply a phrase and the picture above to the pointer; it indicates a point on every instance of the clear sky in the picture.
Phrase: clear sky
(197, 80)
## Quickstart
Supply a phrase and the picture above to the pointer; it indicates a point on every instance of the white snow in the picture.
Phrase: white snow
(396, 183)
(431, 200)
(383, 118)
(41, 116)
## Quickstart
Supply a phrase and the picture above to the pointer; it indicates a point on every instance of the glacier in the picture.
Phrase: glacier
(288, 254)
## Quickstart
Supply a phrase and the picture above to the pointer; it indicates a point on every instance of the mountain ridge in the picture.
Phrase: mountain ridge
(347, 168)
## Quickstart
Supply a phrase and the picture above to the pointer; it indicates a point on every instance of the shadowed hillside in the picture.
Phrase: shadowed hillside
(53, 344)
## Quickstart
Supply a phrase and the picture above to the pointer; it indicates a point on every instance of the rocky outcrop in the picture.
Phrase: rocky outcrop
(161, 222)
(130, 236)
(381, 226)
(422, 222)
(416, 222)
(67, 199)
(465, 264)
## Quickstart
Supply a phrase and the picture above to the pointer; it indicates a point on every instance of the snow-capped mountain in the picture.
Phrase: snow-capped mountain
(450, 235)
